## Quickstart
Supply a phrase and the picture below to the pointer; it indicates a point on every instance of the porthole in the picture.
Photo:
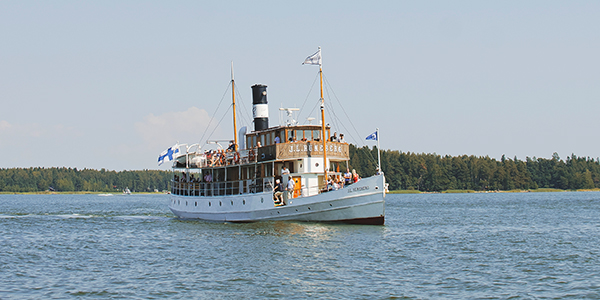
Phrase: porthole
(376, 187)
(220, 203)
(208, 203)
(231, 202)
(185, 203)
(262, 200)
(309, 208)
(330, 204)
(244, 201)
(196, 203)
(278, 212)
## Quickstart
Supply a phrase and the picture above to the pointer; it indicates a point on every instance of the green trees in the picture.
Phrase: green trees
(404, 170)
(68, 180)
(432, 172)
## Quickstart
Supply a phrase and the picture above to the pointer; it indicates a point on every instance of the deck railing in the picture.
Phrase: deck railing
(222, 188)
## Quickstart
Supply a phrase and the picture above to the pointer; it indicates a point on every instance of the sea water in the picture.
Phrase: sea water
(451, 246)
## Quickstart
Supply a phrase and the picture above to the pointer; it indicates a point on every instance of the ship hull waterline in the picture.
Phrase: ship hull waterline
(360, 203)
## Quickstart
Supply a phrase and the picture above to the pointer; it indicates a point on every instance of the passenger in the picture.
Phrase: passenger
(333, 138)
(285, 171)
(342, 140)
(277, 140)
(347, 177)
(278, 191)
(336, 185)
(355, 177)
(290, 187)
(231, 147)
(258, 145)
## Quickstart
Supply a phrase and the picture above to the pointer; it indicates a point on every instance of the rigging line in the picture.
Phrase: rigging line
(244, 110)
(317, 104)
(223, 117)
(331, 112)
(350, 120)
(306, 99)
(213, 115)
(343, 110)
(337, 121)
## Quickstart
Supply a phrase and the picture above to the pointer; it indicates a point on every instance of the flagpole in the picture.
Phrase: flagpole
(378, 153)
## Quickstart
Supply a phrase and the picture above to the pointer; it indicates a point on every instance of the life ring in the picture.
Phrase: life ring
(236, 157)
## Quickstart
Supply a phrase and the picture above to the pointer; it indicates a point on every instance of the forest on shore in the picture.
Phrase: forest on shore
(73, 180)
(436, 173)
(403, 170)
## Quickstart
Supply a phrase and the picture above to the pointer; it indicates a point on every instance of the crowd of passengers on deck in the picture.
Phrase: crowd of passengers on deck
(334, 182)
(229, 156)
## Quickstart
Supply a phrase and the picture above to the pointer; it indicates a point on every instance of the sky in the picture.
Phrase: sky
(111, 84)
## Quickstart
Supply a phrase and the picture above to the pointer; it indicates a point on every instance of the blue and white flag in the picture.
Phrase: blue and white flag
(168, 154)
(314, 59)
(372, 136)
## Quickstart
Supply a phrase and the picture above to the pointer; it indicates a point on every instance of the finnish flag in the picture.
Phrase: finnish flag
(373, 136)
(168, 154)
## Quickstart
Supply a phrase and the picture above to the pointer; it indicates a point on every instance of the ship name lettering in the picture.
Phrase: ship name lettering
(357, 189)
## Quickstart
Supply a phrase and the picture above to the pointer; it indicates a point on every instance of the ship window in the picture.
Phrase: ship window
(196, 203)
(308, 135)
(208, 203)
(290, 135)
(262, 139)
(316, 135)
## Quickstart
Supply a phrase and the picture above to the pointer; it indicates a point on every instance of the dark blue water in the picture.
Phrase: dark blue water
(494, 246)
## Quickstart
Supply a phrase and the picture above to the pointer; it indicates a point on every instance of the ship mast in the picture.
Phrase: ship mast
(315, 59)
(234, 120)
(323, 123)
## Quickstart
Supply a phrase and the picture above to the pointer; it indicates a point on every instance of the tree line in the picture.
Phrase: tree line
(433, 172)
(72, 180)
(404, 171)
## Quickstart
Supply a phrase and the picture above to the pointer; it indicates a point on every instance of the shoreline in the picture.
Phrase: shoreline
(541, 190)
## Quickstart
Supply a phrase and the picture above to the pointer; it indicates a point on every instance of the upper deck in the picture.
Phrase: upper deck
(282, 143)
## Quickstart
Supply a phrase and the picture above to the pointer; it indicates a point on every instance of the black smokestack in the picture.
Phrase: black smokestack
(260, 108)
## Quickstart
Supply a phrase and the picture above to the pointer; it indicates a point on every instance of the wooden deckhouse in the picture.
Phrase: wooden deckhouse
(300, 150)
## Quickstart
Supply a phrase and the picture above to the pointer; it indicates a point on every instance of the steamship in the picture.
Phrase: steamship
(240, 184)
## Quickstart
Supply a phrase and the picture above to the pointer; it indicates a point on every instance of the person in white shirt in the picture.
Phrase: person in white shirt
(290, 187)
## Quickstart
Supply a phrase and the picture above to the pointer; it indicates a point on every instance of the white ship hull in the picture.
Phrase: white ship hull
(362, 203)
